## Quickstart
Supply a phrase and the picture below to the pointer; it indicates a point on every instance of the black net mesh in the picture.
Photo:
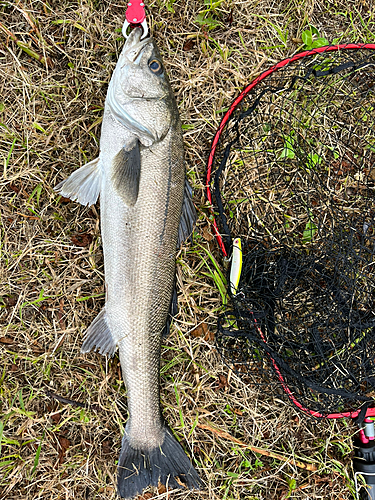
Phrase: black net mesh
(293, 175)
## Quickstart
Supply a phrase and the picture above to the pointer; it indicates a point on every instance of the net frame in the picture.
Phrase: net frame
(363, 411)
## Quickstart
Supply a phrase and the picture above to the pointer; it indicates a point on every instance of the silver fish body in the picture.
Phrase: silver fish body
(145, 211)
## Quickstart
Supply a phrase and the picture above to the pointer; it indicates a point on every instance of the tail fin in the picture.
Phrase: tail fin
(168, 463)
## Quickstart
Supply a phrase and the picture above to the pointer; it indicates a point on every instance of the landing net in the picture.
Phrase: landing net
(292, 173)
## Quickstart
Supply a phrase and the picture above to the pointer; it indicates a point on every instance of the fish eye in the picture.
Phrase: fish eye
(156, 67)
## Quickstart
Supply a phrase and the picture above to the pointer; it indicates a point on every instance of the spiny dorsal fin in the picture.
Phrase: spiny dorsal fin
(126, 173)
(173, 310)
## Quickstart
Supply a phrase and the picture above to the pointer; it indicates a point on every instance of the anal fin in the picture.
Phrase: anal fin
(99, 336)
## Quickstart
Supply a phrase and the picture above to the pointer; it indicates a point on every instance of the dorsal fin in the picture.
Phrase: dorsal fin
(188, 216)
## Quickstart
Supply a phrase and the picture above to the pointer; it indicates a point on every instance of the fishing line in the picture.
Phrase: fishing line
(291, 182)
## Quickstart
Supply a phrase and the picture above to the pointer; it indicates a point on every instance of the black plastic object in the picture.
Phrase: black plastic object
(364, 463)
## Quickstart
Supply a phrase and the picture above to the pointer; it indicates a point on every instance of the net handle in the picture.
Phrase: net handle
(235, 103)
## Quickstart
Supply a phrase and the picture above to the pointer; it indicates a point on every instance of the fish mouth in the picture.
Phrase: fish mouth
(134, 46)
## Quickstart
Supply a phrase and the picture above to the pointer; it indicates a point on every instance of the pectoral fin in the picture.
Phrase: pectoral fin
(83, 185)
(99, 336)
(126, 173)
(188, 216)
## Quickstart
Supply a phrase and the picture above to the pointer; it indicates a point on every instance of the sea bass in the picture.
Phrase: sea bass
(146, 212)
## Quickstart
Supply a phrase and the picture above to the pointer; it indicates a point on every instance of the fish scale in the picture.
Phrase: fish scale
(146, 211)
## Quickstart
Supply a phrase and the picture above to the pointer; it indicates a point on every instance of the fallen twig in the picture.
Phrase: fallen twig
(34, 217)
(67, 401)
(63, 400)
(261, 451)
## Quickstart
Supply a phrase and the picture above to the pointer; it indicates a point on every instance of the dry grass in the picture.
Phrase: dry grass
(51, 273)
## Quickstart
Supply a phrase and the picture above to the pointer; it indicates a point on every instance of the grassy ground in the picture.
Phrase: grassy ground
(61, 412)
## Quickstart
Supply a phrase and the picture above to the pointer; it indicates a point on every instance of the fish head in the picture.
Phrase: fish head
(140, 95)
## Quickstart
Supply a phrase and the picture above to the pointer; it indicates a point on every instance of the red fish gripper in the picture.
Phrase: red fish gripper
(135, 16)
